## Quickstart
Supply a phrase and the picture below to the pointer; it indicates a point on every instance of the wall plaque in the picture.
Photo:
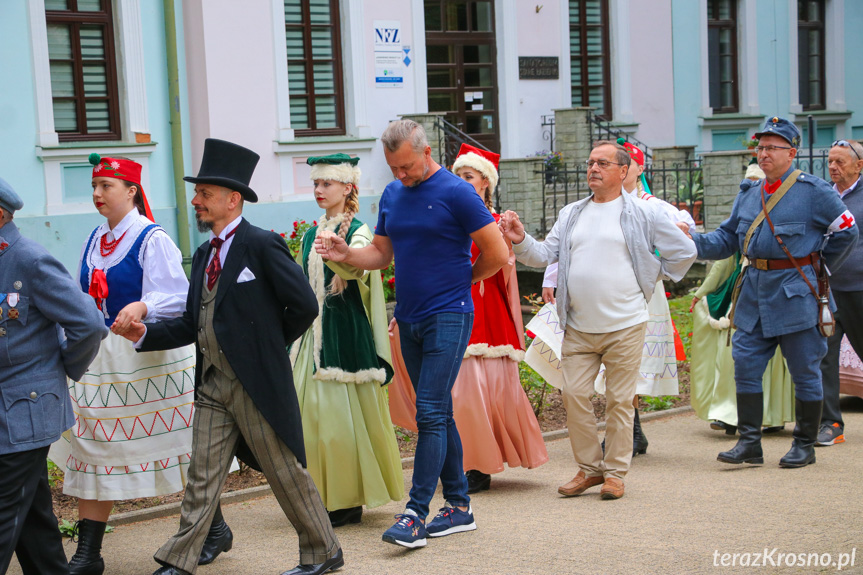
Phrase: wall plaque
(537, 68)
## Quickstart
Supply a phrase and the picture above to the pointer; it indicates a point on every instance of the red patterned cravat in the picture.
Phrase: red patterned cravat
(215, 267)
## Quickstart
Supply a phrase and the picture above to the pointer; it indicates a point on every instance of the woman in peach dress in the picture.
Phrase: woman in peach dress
(491, 410)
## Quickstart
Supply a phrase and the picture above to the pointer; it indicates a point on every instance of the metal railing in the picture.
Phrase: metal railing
(548, 130)
(450, 139)
(814, 163)
(604, 130)
(678, 183)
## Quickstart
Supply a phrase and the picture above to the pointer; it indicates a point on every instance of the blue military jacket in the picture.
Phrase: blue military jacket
(49, 329)
(808, 219)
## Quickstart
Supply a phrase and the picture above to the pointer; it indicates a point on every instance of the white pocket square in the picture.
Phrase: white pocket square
(245, 276)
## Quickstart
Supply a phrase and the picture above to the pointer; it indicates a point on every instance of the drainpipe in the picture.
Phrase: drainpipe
(177, 135)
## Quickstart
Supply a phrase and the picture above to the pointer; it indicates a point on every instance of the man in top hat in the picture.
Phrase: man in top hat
(49, 330)
(776, 305)
(248, 300)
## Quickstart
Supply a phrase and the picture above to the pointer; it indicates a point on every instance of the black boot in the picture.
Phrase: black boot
(729, 429)
(341, 517)
(802, 451)
(639, 441)
(477, 481)
(87, 559)
(219, 539)
(750, 412)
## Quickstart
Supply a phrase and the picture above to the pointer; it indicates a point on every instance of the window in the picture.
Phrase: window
(83, 69)
(810, 53)
(314, 66)
(589, 55)
(722, 54)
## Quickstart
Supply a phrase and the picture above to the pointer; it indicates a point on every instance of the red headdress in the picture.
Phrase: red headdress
(636, 154)
(125, 170)
(482, 161)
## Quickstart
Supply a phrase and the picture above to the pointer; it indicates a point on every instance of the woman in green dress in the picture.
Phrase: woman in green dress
(712, 388)
(343, 361)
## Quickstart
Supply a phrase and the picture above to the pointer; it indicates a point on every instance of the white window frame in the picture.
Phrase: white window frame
(834, 57)
(352, 35)
(133, 104)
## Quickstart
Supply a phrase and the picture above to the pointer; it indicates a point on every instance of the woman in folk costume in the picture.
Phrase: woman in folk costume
(494, 416)
(133, 434)
(343, 361)
(713, 393)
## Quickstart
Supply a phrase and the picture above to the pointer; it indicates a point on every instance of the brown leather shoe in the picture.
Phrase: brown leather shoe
(612, 488)
(579, 484)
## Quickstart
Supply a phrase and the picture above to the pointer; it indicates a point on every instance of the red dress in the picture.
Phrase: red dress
(493, 415)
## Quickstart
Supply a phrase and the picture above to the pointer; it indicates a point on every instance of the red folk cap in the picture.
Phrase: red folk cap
(636, 154)
(490, 156)
(122, 169)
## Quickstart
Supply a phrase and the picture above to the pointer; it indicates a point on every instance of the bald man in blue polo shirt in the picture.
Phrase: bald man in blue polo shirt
(428, 218)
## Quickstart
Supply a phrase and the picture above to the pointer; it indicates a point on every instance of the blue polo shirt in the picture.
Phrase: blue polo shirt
(429, 227)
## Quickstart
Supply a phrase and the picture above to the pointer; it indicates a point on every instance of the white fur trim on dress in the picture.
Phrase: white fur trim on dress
(316, 279)
(491, 352)
(345, 173)
(480, 164)
(363, 376)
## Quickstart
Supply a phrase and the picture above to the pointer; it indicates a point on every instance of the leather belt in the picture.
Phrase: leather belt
(768, 265)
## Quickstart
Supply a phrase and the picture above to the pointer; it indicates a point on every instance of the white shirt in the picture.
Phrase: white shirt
(164, 286)
(223, 251)
(842, 194)
(604, 294)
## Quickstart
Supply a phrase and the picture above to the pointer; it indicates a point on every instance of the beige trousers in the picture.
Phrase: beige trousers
(223, 410)
(581, 356)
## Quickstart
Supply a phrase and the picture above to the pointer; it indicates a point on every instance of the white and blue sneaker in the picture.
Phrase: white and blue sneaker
(451, 519)
(409, 531)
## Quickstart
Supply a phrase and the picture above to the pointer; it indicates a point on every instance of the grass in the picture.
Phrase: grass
(537, 389)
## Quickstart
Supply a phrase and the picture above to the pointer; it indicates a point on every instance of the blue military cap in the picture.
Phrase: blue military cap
(9, 200)
(782, 128)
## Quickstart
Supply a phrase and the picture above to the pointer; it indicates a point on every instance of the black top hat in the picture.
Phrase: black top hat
(227, 165)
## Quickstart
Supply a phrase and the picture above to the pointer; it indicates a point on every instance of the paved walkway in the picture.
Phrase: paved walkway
(681, 506)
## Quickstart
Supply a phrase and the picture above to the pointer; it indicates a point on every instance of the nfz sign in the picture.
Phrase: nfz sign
(388, 35)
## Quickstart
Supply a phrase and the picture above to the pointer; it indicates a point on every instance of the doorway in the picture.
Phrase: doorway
(461, 58)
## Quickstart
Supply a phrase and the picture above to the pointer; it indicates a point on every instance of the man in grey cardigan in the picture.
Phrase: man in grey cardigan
(845, 162)
(606, 246)
(49, 329)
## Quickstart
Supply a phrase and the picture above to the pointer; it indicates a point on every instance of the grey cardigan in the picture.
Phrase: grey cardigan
(646, 230)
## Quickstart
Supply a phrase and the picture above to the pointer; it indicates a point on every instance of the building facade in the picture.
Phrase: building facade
(294, 78)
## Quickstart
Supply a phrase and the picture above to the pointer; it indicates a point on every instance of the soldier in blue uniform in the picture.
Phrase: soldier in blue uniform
(775, 305)
(49, 329)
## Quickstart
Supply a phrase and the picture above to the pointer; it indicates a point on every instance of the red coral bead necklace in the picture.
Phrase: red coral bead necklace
(107, 248)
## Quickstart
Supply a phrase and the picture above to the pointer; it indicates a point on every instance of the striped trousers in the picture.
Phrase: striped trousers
(223, 411)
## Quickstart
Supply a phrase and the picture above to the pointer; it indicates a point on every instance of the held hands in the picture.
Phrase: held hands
(511, 227)
(685, 229)
(548, 295)
(391, 329)
(128, 316)
(135, 332)
(331, 246)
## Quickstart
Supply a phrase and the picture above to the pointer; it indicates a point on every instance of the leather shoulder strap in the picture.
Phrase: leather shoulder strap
(774, 199)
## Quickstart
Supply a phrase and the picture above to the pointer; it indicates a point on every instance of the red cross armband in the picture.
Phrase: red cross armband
(843, 222)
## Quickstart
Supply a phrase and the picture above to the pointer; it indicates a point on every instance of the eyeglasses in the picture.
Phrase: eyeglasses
(771, 148)
(846, 144)
(603, 164)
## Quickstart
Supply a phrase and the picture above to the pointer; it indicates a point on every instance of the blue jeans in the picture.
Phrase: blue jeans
(803, 351)
(433, 349)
